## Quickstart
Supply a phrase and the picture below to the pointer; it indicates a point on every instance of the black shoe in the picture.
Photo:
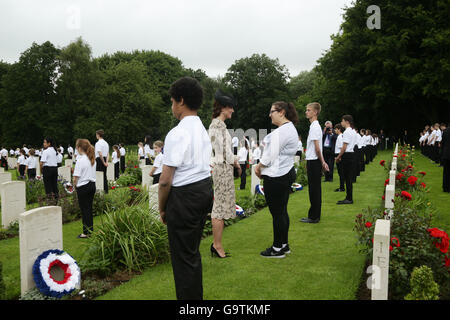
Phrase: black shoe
(214, 252)
(286, 249)
(345, 202)
(308, 220)
(271, 253)
(339, 190)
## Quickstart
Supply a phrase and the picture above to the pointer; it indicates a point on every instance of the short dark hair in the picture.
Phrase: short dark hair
(100, 133)
(190, 90)
(339, 127)
(348, 118)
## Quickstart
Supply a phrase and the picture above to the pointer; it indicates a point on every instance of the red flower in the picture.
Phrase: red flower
(113, 188)
(412, 180)
(390, 248)
(403, 170)
(399, 176)
(395, 156)
(409, 167)
(395, 244)
(382, 162)
(447, 262)
(383, 197)
(423, 184)
(135, 167)
(368, 224)
(406, 195)
(403, 155)
(443, 244)
(422, 173)
(386, 182)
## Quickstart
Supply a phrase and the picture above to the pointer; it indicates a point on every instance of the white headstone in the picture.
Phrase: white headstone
(13, 195)
(68, 163)
(110, 171)
(392, 177)
(2, 170)
(389, 197)
(147, 180)
(4, 177)
(153, 198)
(255, 180)
(66, 173)
(141, 163)
(99, 180)
(39, 230)
(297, 160)
(12, 162)
(38, 167)
(394, 164)
(250, 156)
(380, 261)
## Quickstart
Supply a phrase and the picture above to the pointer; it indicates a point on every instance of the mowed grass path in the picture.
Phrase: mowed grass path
(324, 263)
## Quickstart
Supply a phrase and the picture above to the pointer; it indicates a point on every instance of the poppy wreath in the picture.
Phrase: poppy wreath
(45, 282)
(239, 211)
(259, 189)
(68, 187)
(296, 187)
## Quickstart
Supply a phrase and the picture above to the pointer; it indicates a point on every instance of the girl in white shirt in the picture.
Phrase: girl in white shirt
(49, 169)
(116, 161)
(84, 182)
(30, 168)
(59, 158)
(158, 163)
(277, 169)
(149, 153)
(256, 153)
(141, 151)
(21, 164)
(242, 158)
(338, 129)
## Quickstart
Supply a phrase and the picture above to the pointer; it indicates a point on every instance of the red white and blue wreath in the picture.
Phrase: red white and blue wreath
(68, 187)
(45, 282)
(239, 211)
(259, 189)
(296, 187)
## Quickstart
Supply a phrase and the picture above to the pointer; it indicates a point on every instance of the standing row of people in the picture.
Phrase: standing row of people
(430, 142)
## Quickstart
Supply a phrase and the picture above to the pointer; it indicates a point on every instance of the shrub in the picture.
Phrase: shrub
(11, 231)
(127, 239)
(34, 190)
(302, 176)
(422, 285)
(127, 179)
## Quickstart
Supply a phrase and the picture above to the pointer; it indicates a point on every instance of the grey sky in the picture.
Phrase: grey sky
(205, 34)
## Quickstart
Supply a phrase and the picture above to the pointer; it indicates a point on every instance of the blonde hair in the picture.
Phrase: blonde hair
(158, 143)
(87, 148)
(316, 106)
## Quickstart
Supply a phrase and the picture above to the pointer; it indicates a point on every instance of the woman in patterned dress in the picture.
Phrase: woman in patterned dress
(222, 163)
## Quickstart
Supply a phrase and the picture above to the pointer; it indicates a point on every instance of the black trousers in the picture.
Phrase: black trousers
(122, 164)
(446, 175)
(4, 163)
(348, 164)
(367, 154)
(156, 178)
(362, 164)
(102, 168)
(356, 163)
(243, 175)
(328, 156)
(276, 192)
(31, 174)
(186, 211)
(50, 177)
(341, 174)
(314, 172)
(148, 162)
(22, 170)
(116, 170)
(85, 199)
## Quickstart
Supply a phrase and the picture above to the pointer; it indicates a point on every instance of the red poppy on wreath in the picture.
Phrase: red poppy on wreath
(423, 184)
(399, 176)
(422, 173)
(412, 180)
(382, 162)
(397, 243)
(406, 195)
(368, 224)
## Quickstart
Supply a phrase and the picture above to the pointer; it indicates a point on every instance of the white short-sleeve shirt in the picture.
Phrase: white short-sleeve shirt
(339, 144)
(280, 147)
(122, 151)
(84, 170)
(188, 148)
(256, 153)
(59, 158)
(315, 133)
(140, 152)
(114, 157)
(349, 137)
(48, 157)
(22, 160)
(242, 155)
(4, 153)
(101, 146)
(158, 164)
(147, 151)
(235, 142)
(31, 162)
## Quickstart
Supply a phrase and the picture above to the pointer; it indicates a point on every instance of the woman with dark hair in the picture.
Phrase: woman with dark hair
(84, 176)
(276, 167)
(21, 164)
(222, 163)
(149, 153)
(115, 160)
(49, 169)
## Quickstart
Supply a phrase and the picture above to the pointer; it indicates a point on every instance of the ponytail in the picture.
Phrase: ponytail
(289, 109)
(87, 148)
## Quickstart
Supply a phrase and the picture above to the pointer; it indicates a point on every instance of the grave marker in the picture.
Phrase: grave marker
(255, 180)
(153, 198)
(380, 260)
(13, 195)
(147, 180)
(65, 173)
(99, 181)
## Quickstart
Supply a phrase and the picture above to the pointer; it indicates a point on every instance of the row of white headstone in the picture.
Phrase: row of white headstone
(382, 238)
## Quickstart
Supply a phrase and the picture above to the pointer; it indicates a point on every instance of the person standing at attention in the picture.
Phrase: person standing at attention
(222, 163)
(185, 190)
(49, 169)
(158, 163)
(122, 158)
(102, 156)
(314, 163)
(115, 160)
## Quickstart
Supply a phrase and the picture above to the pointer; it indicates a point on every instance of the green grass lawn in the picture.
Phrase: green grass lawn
(324, 263)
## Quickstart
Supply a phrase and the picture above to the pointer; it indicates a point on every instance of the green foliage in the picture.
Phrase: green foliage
(129, 238)
(422, 285)
(11, 231)
(302, 175)
(2, 284)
